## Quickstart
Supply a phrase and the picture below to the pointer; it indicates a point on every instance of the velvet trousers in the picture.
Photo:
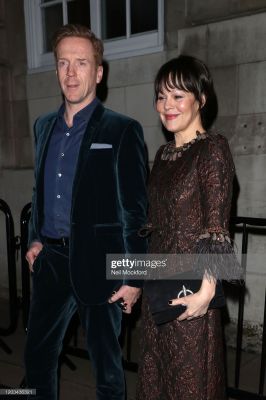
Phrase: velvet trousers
(53, 304)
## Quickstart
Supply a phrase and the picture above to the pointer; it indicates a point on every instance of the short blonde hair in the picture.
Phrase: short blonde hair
(76, 30)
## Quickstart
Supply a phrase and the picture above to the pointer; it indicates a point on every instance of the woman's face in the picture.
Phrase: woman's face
(179, 111)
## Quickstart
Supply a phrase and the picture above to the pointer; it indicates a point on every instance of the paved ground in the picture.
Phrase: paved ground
(79, 384)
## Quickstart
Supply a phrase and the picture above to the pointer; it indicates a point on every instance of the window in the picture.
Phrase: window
(127, 27)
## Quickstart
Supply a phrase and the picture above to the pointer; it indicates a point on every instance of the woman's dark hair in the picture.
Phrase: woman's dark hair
(191, 75)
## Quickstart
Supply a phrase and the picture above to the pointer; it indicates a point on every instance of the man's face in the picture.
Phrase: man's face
(76, 70)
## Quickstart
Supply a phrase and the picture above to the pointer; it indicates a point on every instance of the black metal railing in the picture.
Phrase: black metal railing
(247, 225)
(11, 268)
(12, 279)
(25, 275)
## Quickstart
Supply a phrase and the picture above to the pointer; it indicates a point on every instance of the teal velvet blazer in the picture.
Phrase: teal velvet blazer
(109, 199)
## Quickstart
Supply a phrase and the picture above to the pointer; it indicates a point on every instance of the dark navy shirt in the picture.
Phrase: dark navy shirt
(60, 167)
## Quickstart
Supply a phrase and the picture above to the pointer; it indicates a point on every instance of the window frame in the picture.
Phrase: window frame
(119, 48)
(138, 44)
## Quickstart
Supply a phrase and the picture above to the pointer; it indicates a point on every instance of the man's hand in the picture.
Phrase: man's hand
(129, 296)
(32, 253)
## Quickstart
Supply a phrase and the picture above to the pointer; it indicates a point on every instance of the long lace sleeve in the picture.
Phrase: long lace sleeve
(215, 253)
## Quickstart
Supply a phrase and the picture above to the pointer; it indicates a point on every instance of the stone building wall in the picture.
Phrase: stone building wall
(16, 157)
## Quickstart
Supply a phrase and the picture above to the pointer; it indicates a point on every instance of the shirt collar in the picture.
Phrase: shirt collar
(83, 114)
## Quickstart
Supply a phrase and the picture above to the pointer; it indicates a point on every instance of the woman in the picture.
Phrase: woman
(190, 192)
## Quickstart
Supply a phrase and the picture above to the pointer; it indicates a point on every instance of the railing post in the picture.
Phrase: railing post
(11, 264)
(263, 352)
(25, 274)
(241, 303)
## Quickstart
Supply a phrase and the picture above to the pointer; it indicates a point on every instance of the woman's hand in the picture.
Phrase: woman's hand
(197, 304)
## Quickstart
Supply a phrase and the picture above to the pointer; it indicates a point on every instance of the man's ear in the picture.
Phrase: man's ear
(99, 73)
(55, 63)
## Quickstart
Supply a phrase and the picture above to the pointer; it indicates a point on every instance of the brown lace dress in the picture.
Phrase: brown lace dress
(190, 192)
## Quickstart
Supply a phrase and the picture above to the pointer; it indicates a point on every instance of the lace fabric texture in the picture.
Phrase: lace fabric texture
(190, 201)
(181, 360)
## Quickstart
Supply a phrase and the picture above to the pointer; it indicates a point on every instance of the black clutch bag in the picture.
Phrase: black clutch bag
(159, 292)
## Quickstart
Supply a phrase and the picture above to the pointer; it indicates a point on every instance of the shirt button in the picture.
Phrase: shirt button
(58, 196)
(59, 175)
(62, 154)
(67, 134)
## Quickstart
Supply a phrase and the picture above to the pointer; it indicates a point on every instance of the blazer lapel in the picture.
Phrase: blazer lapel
(88, 138)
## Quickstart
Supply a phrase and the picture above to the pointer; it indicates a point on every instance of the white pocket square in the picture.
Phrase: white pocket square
(101, 146)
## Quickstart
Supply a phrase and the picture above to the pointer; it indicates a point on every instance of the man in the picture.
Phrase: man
(89, 200)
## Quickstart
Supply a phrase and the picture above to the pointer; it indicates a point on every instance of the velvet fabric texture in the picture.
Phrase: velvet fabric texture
(52, 306)
(108, 208)
(108, 200)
